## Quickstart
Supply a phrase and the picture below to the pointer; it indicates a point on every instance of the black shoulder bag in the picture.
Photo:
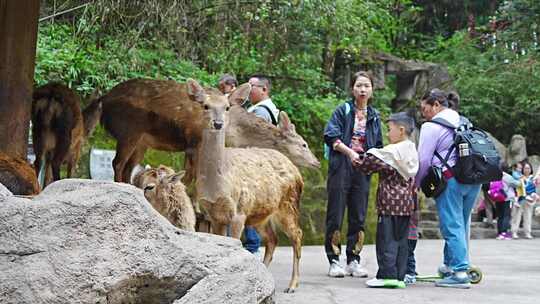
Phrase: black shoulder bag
(434, 182)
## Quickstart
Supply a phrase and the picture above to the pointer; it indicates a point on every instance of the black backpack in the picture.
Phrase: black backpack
(478, 161)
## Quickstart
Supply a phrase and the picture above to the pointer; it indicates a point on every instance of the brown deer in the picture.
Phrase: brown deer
(59, 128)
(18, 176)
(161, 114)
(165, 191)
(239, 186)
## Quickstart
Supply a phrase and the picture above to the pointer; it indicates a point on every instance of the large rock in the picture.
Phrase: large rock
(83, 241)
(413, 78)
(517, 150)
(4, 192)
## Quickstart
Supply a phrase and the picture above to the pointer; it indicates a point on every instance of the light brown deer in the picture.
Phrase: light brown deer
(59, 128)
(239, 186)
(161, 114)
(165, 191)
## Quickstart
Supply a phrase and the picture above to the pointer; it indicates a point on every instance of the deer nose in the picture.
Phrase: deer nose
(218, 125)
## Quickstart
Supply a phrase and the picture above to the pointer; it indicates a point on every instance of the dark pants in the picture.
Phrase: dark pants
(503, 216)
(252, 239)
(392, 246)
(353, 196)
(411, 260)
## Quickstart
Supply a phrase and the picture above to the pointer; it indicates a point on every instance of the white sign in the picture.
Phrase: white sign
(101, 164)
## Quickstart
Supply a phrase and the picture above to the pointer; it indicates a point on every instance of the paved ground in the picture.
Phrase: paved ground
(511, 276)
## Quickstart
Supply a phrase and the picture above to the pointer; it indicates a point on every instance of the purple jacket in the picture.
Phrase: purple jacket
(434, 137)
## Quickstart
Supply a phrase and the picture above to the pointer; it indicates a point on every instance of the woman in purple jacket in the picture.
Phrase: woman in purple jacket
(455, 203)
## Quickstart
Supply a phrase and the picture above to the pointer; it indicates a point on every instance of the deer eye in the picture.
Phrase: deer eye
(227, 108)
(206, 107)
(149, 187)
(304, 145)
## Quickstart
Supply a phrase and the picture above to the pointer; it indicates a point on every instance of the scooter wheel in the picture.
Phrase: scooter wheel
(475, 275)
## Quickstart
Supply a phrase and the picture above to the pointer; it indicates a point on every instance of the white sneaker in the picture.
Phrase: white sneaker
(354, 269)
(515, 236)
(529, 236)
(409, 279)
(336, 271)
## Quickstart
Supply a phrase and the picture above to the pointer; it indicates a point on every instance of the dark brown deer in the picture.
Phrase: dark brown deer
(161, 114)
(59, 128)
(18, 176)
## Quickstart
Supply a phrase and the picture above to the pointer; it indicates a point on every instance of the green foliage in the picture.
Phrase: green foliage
(495, 83)
(92, 62)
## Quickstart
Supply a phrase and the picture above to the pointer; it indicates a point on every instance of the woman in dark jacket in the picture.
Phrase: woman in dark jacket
(354, 127)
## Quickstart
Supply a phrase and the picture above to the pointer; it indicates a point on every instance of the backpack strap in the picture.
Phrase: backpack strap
(443, 122)
(274, 120)
(444, 160)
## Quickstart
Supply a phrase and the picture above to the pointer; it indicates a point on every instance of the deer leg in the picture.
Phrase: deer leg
(135, 159)
(56, 164)
(237, 225)
(61, 150)
(289, 223)
(271, 243)
(202, 224)
(190, 166)
(48, 170)
(124, 150)
(37, 164)
(73, 160)
(218, 228)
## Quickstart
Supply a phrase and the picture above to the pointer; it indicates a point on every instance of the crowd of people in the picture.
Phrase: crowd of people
(512, 200)
(354, 141)
(354, 147)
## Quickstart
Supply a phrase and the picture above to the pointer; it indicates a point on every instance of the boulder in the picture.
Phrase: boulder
(534, 160)
(413, 77)
(84, 241)
(4, 192)
(517, 150)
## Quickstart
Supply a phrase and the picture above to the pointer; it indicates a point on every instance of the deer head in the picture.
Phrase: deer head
(294, 146)
(91, 116)
(245, 129)
(158, 183)
(214, 104)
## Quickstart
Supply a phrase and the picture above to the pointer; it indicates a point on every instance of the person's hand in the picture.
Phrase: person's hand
(353, 156)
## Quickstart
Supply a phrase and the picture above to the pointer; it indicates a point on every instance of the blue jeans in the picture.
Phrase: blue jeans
(411, 261)
(252, 239)
(454, 206)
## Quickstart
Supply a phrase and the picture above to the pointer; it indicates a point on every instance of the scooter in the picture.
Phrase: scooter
(474, 273)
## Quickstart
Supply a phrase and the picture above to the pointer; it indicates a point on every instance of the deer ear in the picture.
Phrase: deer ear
(164, 171)
(195, 90)
(153, 173)
(177, 177)
(285, 123)
(240, 95)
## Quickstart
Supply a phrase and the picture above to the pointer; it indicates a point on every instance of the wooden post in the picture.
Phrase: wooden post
(18, 37)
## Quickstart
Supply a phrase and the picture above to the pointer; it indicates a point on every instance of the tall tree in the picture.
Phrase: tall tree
(18, 36)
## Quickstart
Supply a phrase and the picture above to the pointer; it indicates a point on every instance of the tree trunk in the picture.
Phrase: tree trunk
(18, 36)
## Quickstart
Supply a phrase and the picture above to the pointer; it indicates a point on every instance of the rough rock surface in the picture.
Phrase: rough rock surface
(4, 192)
(83, 241)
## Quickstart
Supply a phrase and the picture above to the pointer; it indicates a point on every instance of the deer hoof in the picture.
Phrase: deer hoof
(289, 290)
